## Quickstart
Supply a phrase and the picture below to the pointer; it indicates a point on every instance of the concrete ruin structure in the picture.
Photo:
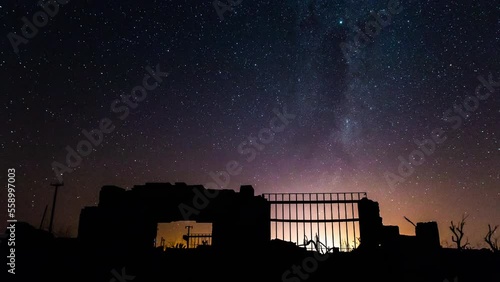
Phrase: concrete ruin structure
(376, 235)
(130, 217)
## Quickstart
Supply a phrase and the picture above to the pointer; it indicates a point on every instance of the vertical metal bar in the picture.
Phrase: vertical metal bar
(303, 217)
(324, 217)
(283, 216)
(310, 216)
(276, 206)
(331, 217)
(317, 215)
(289, 217)
(297, 217)
(353, 222)
(346, 224)
(276, 215)
(339, 217)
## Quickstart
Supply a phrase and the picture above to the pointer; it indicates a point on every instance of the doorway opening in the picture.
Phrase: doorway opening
(183, 235)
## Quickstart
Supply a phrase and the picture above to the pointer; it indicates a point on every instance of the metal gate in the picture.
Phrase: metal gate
(331, 218)
(194, 240)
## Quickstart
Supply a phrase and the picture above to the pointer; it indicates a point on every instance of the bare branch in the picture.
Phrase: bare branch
(458, 233)
(410, 221)
(492, 242)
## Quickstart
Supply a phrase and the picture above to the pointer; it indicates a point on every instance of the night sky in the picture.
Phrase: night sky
(228, 75)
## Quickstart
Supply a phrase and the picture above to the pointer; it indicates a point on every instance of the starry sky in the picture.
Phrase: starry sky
(353, 116)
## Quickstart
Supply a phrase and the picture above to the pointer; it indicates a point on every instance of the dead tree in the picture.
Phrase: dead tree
(458, 233)
(492, 242)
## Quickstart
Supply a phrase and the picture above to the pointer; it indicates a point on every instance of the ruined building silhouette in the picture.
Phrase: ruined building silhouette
(254, 237)
(130, 217)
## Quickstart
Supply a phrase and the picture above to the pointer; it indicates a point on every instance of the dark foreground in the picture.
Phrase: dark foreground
(40, 257)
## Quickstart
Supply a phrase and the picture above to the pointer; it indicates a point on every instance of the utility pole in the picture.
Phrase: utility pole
(56, 185)
(188, 237)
